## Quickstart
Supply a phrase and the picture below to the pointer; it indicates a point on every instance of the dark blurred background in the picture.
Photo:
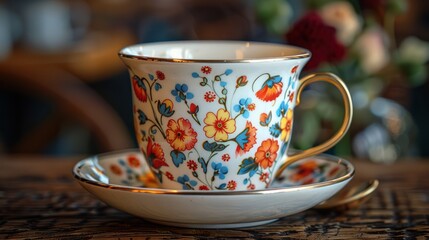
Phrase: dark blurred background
(63, 89)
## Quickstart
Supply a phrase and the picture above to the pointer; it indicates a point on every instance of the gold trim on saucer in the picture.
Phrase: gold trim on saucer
(93, 160)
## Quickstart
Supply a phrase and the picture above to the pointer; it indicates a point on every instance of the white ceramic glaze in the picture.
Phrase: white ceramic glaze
(118, 179)
(218, 115)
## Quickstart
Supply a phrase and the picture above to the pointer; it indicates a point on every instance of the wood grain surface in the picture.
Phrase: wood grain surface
(39, 199)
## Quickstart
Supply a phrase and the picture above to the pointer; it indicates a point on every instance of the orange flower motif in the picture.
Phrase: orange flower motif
(267, 153)
(286, 125)
(219, 126)
(155, 155)
(304, 170)
(139, 89)
(115, 169)
(133, 161)
(271, 89)
(180, 135)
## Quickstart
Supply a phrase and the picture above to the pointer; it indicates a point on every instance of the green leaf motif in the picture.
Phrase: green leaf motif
(159, 176)
(248, 165)
(203, 164)
(222, 186)
(213, 147)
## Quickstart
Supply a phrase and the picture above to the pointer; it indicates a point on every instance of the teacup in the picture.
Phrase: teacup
(217, 115)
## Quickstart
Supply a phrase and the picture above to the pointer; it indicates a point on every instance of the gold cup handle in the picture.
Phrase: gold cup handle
(348, 114)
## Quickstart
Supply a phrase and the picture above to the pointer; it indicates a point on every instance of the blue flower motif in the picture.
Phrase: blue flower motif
(242, 138)
(195, 75)
(275, 130)
(219, 170)
(272, 80)
(187, 184)
(166, 108)
(180, 91)
(282, 109)
(222, 83)
(228, 71)
(242, 106)
(142, 117)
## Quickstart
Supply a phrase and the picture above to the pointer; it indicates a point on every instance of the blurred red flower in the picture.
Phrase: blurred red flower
(312, 33)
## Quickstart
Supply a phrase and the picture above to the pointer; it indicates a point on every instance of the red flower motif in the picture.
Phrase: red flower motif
(291, 96)
(203, 187)
(294, 69)
(206, 69)
(264, 177)
(226, 157)
(133, 161)
(241, 81)
(231, 185)
(193, 109)
(160, 75)
(139, 89)
(251, 186)
(155, 155)
(209, 96)
(192, 165)
(169, 176)
(312, 33)
(251, 106)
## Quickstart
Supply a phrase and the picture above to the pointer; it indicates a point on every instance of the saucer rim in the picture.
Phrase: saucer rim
(76, 169)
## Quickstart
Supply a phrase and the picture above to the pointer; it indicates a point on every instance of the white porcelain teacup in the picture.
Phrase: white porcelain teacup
(217, 115)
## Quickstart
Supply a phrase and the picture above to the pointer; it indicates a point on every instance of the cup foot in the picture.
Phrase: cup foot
(214, 225)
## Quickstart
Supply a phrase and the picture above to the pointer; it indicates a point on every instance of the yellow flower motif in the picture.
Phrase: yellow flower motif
(286, 125)
(219, 125)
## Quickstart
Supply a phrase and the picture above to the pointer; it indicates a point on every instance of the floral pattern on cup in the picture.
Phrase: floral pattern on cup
(222, 133)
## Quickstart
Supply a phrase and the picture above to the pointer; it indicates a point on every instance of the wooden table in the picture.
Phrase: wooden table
(39, 199)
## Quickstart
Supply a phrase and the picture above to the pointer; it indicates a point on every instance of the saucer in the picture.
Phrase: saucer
(123, 180)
